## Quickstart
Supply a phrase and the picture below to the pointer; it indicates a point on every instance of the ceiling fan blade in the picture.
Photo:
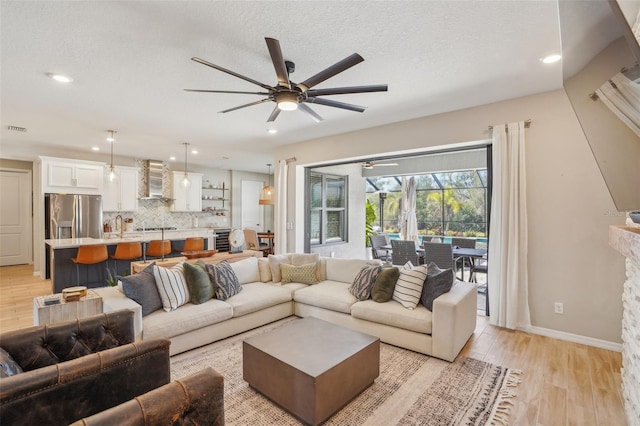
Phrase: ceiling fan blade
(246, 105)
(335, 104)
(347, 90)
(278, 62)
(314, 115)
(227, 91)
(334, 69)
(235, 74)
(274, 114)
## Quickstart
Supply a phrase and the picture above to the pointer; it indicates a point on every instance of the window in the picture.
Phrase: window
(327, 208)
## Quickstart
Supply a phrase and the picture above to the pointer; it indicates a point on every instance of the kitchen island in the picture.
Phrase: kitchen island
(62, 270)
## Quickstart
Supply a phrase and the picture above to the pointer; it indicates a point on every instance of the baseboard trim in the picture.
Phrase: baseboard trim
(575, 338)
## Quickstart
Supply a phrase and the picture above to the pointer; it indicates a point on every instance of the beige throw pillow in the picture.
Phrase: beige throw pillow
(304, 274)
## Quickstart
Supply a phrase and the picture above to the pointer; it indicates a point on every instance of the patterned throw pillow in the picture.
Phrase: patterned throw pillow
(385, 283)
(172, 286)
(200, 288)
(409, 286)
(304, 274)
(363, 282)
(224, 280)
(142, 289)
(439, 281)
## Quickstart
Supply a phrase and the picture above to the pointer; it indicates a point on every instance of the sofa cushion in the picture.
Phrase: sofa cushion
(332, 295)
(438, 282)
(394, 314)
(8, 366)
(274, 264)
(142, 289)
(257, 296)
(198, 282)
(171, 286)
(187, 318)
(304, 274)
(382, 289)
(409, 285)
(345, 270)
(299, 259)
(362, 283)
(246, 270)
(224, 280)
(264, 270)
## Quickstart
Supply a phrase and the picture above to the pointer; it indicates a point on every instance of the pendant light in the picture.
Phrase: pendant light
(112, 176)
(267, 194)
(186, 182)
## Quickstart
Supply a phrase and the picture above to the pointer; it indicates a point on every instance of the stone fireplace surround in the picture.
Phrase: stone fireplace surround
(626, 239)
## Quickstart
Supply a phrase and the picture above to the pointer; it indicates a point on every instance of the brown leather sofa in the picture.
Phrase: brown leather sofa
(194, 400)
(78, 368)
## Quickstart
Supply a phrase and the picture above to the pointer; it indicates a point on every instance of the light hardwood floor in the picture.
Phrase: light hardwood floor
(563, 383)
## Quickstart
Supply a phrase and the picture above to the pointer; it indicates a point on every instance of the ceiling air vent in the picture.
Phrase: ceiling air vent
(17, 129)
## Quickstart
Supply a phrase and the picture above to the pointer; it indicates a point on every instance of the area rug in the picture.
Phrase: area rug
(412, 389)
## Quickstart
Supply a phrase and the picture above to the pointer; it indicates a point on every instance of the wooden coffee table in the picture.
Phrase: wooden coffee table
(311, 367)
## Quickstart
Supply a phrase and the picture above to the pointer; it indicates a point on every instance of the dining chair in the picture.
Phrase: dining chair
(461, 260)
(377, 242)
(253, 243)
(404, 251)
(439, 253)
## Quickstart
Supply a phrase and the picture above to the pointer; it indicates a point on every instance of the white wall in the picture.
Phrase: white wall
(569, 207)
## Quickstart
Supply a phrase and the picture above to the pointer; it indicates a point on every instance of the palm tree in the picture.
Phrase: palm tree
(448, 202)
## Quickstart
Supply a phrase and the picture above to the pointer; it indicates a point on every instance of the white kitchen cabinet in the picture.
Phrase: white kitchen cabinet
(187, 199)
(121, 194)
(74, 176)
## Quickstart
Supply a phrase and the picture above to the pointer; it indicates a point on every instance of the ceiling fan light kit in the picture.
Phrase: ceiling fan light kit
(290, 96)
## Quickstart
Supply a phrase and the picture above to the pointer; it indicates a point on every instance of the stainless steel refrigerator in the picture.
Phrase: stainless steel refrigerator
(73, 216)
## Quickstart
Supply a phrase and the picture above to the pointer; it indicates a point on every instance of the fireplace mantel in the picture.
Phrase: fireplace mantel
(626, 239)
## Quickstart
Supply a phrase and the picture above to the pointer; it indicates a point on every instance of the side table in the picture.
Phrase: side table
(91, 304)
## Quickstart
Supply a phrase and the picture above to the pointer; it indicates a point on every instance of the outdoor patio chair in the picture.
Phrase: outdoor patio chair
(377, 241)
(439, 253)
(463, 243)
(404, 251)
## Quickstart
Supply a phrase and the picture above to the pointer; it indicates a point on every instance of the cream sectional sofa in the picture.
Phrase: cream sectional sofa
(441, 333)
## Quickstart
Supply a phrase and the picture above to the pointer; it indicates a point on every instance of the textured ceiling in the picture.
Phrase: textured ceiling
(130, 62)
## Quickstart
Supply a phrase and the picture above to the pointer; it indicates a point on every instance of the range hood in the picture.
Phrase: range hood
(153, 181)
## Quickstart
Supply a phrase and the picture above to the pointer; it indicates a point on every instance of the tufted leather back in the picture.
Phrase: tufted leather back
(44, 345)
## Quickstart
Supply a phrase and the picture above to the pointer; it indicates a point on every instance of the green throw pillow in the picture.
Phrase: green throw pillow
(304, 274)
(200, 288)
(385, 283)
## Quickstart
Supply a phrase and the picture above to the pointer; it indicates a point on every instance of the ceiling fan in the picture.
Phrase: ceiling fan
(371, 164)
(288, 95)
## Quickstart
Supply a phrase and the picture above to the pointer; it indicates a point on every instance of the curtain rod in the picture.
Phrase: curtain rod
(289, 160)
(527, 124)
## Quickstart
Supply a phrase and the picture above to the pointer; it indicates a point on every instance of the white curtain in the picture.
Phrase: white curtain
(622, 97)
(280, 209)
(507, 274)
(410, 218)
(402, 214)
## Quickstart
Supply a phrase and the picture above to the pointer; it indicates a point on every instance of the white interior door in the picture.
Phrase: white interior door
(252, 212)
(15, 217)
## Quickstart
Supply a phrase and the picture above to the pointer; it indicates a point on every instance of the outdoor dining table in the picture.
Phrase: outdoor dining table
(458, 252)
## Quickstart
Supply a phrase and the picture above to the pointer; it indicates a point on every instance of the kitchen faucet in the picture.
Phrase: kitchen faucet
(121, 227)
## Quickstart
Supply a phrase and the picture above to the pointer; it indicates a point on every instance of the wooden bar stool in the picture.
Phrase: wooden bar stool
(156, 248)
(90, 255)
(193, 244)
(127, 251)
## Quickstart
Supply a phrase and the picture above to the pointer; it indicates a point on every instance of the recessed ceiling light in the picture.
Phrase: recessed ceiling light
(272, 131)
(60, 78)
(551, 59)
(172, 158)
(95, 148)
(194, 151)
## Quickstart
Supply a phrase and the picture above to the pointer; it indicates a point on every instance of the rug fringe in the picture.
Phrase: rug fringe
(501, 412)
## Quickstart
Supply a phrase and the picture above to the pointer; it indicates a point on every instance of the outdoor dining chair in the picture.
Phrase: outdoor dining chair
(404, 251)
(460, 261)
(377, 242)
(439, 253)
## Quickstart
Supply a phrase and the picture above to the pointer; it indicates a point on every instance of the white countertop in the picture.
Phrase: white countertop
(134, 236)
